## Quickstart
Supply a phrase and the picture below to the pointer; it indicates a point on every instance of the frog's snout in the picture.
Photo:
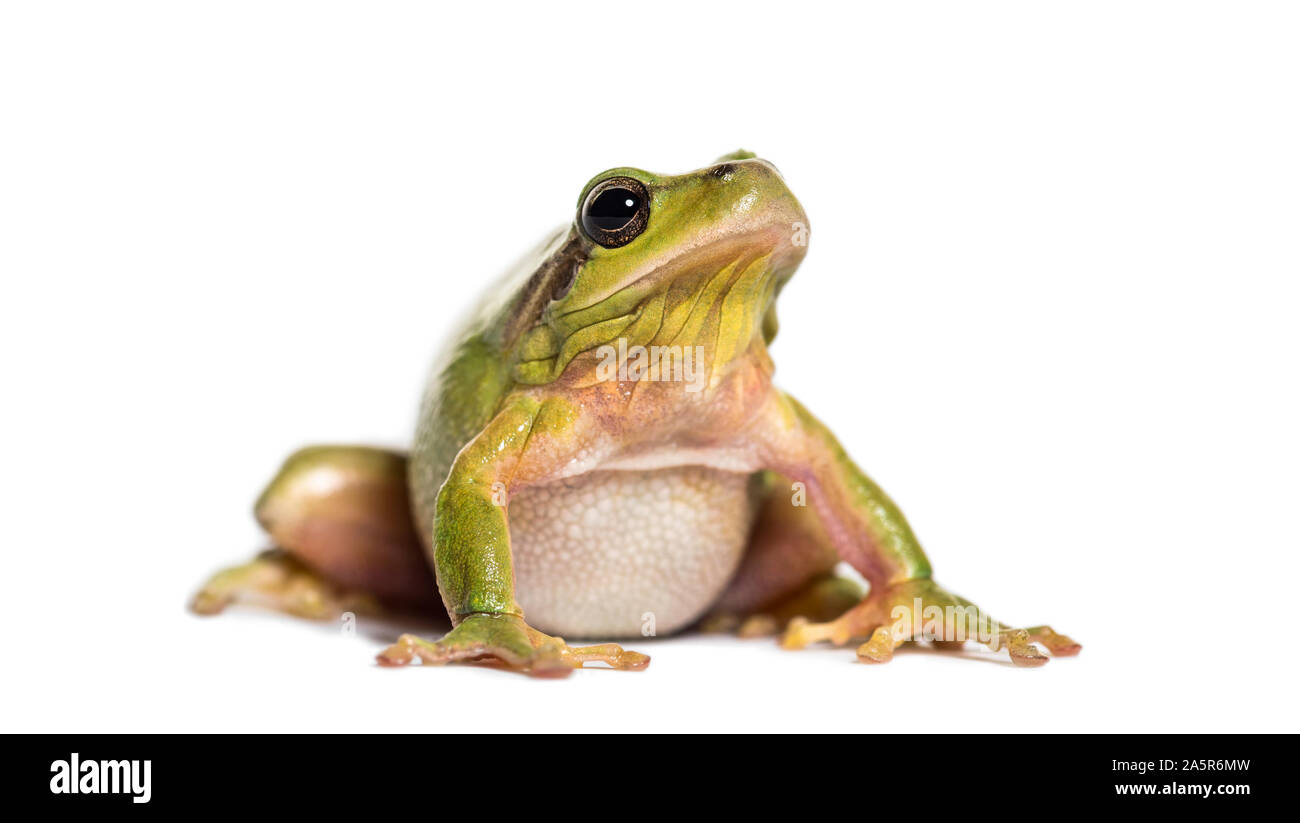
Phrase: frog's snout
(761, 204)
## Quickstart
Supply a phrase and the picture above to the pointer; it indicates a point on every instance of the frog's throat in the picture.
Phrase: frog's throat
(720, 309)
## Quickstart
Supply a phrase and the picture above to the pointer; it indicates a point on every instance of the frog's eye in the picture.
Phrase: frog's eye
(615, 212)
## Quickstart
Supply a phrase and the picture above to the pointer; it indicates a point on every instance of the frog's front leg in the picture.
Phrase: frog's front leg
(871, 534)
(471, 552)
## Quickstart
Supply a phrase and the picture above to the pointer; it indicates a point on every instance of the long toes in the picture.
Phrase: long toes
(1058, 644)
(1032, 660)
(400, 653)
(1022, 651)
(797, 634)
(208, 603)
(611, 654)
(304, 599)
(759, 625)
(632, 661)
(800, 632)
(880, 648)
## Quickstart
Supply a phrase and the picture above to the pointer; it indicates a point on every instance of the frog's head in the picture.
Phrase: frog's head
(652, 260)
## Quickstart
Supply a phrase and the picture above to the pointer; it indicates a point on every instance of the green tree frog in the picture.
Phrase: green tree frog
(602, 453)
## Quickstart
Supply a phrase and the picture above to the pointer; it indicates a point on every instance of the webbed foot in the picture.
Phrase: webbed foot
(922, 610)
(508, 640)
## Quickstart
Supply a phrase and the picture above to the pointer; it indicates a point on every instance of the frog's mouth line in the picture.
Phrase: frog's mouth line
(708, 258)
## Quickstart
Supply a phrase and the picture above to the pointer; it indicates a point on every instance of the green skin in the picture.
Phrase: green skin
(521, 402)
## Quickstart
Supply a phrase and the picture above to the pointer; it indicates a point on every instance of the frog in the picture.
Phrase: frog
(601, 453)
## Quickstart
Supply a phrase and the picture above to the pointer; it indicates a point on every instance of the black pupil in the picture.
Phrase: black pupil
(613, 208)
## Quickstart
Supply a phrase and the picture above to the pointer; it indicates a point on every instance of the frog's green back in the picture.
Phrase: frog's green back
(474, 373)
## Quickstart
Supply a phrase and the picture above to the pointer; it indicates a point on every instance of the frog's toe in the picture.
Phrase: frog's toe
(611, 654)
(1022, 645)
(820, 599)
(803, 632)
(1058, 644)
(759, 625)
(1020, 648)
(400, 653)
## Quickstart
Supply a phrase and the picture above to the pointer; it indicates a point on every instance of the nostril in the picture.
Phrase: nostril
(723, 171)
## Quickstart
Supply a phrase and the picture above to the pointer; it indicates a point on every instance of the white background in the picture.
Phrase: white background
(1050, 304)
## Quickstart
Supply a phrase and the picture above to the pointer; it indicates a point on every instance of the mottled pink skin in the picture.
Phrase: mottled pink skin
(345, 513)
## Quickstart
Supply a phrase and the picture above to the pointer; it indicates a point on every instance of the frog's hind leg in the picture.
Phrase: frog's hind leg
(340, 519)
(788, 571)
